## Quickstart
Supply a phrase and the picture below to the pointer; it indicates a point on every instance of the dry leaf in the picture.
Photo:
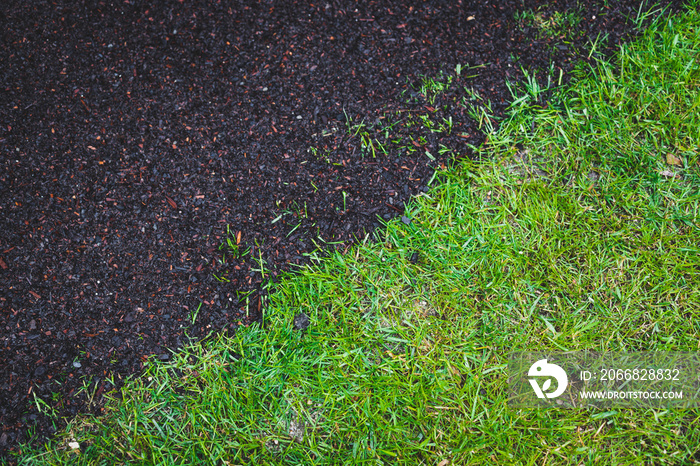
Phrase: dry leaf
(36, 295)
(3, 264)
(667, 174)
(443, 463)
(673, 160)
(172, 203)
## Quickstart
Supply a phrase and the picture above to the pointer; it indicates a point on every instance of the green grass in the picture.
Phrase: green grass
(578, 230)
(563, 25)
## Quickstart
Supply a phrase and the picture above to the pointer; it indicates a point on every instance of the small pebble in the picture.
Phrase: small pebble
(77, 365)
(301, 321)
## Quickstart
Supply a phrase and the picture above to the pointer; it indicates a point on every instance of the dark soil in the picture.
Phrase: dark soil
(132, 135)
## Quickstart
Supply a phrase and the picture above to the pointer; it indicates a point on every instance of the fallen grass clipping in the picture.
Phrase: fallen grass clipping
(578, 230)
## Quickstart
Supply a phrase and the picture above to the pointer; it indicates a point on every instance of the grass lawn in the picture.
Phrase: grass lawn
(577, 230)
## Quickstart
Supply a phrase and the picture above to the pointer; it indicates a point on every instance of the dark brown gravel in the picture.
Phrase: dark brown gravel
(133, 132)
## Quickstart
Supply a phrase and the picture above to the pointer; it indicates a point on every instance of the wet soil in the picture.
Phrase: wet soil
(136, 137)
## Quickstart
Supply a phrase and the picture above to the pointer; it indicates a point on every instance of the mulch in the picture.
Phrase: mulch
(137, 136)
